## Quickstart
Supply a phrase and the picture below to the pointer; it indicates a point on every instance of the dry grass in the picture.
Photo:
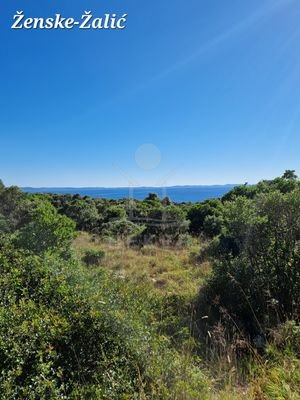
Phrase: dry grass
(167, 270)
(176, 271)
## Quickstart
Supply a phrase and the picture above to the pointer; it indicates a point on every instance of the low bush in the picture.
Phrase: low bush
(93, 257)
(69, 333)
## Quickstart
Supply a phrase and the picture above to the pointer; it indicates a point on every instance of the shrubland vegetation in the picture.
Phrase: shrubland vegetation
(127, 299)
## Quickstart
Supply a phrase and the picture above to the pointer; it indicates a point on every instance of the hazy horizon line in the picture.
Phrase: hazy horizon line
(132, 187)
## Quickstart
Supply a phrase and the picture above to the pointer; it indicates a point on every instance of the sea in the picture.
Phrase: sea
(177, 194)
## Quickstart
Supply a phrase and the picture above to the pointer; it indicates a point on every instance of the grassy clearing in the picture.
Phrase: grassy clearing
(167, 270)
(177, 273)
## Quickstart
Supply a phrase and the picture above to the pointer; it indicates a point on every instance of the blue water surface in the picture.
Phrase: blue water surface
(177, 194)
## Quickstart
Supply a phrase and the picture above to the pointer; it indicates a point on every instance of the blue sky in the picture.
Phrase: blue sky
(213, 85)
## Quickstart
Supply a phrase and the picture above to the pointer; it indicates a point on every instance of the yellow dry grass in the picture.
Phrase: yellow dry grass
(168, 270)
(177, 271)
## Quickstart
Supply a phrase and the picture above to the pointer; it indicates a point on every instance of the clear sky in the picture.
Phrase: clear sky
(212, 85)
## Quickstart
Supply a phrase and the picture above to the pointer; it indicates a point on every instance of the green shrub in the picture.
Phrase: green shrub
(84, 213)
(255, 280)
(287, 337)
(93, 257)
(164, 225)
(212, 225)
(46, 230)
(121, 229)
(14, 209)
(206, 218)
(69, 333)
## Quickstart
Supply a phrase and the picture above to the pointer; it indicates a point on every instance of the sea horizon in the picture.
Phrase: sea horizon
(177, 193)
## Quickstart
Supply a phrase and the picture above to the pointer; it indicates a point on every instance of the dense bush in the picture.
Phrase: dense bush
(52, 339)
(212, 225)
(46, 230)
(256, 280)
(286, 337)
(64, 334)
(164, 225)
(84, 213)
(206, 218)
(284, 184)
(121, 229)
(14, 209)
(93, 257)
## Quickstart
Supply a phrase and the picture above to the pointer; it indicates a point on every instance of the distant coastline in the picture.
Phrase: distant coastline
(178, 194)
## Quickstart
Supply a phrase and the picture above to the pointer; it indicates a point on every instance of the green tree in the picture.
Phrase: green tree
(256, 273)
(46, 231)
(212, 225)
(121, 229)
(199, 212)
(113, 213)
(241, 190)
(14, 209)
(84, 212)
(290, 174)
(164, 225)
(152, 197)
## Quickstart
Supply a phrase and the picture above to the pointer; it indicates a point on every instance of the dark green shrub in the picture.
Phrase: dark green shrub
(14, 209)
(113, 213)
(255, 283)
(198, 213)
(93, 257)
(84, 213)
(212, 225)
(121, 229)
(46, 231)
(164, 225)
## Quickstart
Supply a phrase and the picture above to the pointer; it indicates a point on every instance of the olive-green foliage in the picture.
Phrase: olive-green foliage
(114, 213)
(153, 198)
(278, 378)
(84, 213)
(150, 221)
(67, 334)
(284, 184)
(281, 184)
(164, 225)
(52, 339)
(287, 338)
(93, 257)
(46, 230)
(256, 280)
(67, 331)
(14, 209)
(241, 190)
(212, 225)
(206, 218)
(121, 229)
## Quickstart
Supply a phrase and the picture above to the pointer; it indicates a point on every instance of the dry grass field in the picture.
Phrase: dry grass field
(179, 272)
(168, 270)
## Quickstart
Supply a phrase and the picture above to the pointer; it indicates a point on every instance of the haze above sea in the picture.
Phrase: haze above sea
(177, 194)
